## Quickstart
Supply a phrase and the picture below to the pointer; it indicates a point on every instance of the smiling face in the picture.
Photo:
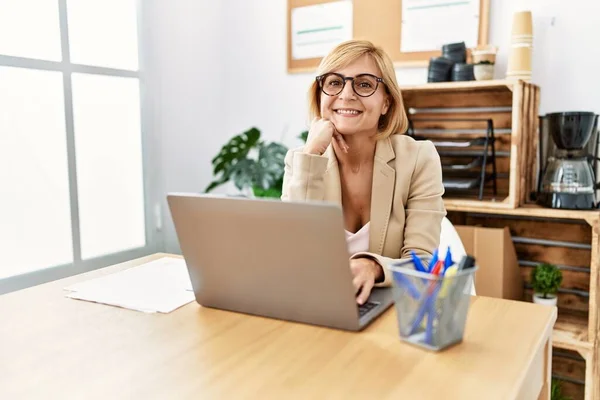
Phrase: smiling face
(350, 113)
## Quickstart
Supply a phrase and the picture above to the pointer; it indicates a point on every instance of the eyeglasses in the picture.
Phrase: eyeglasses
(363, 85)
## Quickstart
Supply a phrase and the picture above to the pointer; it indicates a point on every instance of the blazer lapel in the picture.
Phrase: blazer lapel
(333, 186)
(384, 179)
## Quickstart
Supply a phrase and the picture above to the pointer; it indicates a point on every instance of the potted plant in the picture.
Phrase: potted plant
(254, 166)
(483, 71)
(484, 58)
(545, 279)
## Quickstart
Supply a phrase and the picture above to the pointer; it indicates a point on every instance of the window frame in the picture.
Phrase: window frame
(152, 215)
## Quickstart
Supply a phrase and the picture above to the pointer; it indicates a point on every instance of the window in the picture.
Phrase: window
(28, 33)
(34, 193)
(72, 189)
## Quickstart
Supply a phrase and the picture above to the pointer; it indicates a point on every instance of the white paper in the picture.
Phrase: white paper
(318, 28)
(429, 24)
(161, 285)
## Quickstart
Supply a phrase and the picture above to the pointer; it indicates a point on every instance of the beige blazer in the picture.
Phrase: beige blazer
(406, 202)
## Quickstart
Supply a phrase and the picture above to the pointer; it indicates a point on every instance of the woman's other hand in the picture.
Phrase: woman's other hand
(321, 132)
(366, 272)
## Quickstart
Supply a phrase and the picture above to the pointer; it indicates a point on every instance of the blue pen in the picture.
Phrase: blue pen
(402, 280)
(417, 261)
(448, 260)
(432, 314)
(425, 306)
(419, 316)
(434, 258)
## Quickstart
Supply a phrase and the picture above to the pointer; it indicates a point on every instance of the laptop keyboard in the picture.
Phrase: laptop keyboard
(365, 308)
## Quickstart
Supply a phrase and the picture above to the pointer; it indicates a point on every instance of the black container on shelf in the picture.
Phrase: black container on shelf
(456, 52)
(463, 72)
(440, 69)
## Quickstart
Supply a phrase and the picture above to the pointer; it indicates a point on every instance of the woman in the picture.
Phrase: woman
(389, 185)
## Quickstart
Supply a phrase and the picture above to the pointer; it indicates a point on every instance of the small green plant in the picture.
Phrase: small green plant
(546, 279)
(556, 391)
(250, 163)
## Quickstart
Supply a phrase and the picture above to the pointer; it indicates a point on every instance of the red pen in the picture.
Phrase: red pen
(437, 267)
(435, 271)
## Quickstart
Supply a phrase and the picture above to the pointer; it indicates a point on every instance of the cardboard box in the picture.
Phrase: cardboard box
(498, 274)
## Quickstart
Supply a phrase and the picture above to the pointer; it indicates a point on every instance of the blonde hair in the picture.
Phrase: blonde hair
(395, 120)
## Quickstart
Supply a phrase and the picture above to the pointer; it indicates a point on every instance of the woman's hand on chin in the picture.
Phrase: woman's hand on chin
(366, 272)
(321, 132)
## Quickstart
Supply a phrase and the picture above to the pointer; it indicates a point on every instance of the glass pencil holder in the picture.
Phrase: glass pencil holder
(431, 309)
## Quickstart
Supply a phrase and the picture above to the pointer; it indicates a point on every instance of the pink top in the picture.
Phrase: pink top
(359, 241)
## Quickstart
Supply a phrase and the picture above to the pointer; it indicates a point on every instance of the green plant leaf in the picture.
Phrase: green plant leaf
(264, 175)
(272, 192)
(214, 184)
(243, 172)
(235, 150)
(303, 136)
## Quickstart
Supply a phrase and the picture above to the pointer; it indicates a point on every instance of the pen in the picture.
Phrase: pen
(437, 267)
(432, 314)
(428, 303)
(417, 261)
(404, 281)
(425, 306)
(433, 291)
(448, 260)
(434, 258)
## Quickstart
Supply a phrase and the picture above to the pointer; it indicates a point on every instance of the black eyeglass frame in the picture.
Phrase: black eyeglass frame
(321, 78)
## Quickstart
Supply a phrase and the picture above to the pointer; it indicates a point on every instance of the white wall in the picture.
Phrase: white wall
(183, 71)
(222, 69)
(259, 91)
(263, 94)
(566, 53)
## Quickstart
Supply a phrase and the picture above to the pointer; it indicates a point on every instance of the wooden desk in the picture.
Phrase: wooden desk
(54, 347)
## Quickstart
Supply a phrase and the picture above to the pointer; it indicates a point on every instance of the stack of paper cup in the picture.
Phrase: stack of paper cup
(519, 60)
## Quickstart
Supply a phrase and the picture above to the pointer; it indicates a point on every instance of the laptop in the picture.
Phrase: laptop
(272, 258)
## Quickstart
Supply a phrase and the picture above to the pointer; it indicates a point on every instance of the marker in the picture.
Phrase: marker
(466, 263)
(448, 274)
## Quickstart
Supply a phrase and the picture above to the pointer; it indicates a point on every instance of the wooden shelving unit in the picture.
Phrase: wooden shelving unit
(461, 85)
(591, 217)
(578, 324)
(566, 238)
(572, 334)
(461, 111)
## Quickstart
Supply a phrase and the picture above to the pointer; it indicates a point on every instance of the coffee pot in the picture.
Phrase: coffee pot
(568, 162)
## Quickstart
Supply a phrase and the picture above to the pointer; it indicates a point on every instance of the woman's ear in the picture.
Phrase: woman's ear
(386, 105)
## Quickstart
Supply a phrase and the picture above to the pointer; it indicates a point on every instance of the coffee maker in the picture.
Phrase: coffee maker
(568, 162)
